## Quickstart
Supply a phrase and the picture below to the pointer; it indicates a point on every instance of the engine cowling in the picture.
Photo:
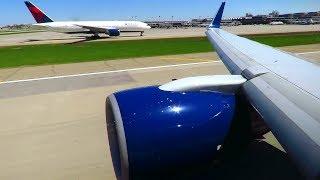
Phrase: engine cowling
(113, 32)
(156, 131)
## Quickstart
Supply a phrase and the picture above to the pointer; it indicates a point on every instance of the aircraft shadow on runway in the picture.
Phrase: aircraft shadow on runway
(259, 161)
(56, 39)
(81, 38)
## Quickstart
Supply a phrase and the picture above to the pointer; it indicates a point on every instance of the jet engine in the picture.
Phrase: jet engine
(152, 130)
(113, 32)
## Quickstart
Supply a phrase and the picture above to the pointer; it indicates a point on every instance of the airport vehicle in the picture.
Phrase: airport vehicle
(111, 28)
(188, 122)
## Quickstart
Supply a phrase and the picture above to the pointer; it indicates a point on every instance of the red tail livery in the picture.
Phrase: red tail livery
(38, 15)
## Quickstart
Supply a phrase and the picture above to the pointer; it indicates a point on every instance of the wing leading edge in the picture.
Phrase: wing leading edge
(283, 88)
(93, 28)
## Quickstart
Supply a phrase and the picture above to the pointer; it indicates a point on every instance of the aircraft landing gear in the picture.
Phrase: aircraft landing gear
(96, 36)
(141, 33)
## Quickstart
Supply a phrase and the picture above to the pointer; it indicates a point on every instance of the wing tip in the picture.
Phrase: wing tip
(216, 23)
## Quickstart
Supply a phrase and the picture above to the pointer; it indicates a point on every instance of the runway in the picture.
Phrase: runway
(55, 129)
(53, 122)
(54, 37)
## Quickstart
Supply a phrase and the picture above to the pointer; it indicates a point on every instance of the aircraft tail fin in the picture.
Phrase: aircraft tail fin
(216, 23)
(38, 15)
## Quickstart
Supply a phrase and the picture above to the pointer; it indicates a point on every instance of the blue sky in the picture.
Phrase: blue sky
(14, 11)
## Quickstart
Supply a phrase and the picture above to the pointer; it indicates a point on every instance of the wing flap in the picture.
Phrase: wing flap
(293, 117)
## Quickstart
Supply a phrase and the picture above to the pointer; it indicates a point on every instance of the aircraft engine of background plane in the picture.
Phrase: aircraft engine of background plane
(113, 32)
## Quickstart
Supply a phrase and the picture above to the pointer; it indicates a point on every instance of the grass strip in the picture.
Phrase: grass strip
(29, 55)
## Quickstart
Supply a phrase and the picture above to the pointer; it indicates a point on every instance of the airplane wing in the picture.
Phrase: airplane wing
(109, 30)
(283, 88)
(93, 28)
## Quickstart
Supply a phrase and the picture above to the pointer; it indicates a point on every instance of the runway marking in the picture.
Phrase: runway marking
(183, 59)
(123, 70)
(314, 52)
(107, 72)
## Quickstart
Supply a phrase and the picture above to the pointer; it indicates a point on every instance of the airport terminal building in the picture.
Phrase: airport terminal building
(293, 18)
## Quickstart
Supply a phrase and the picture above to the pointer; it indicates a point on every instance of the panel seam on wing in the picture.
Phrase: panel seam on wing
(225, 41)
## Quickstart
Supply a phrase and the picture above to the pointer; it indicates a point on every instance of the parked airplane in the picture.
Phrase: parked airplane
(186, 122)
(111, 28)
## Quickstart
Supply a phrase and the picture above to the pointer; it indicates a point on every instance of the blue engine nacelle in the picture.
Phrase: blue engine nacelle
(113, 32)
(151, 130)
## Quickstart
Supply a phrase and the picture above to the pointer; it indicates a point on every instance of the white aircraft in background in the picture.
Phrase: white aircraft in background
(111, 28)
